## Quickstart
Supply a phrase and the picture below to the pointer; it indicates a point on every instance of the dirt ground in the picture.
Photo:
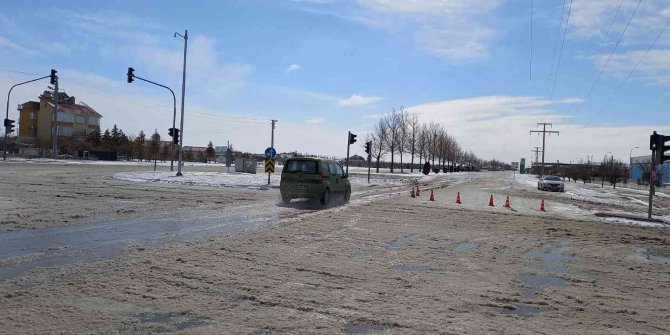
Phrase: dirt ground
(386, 264)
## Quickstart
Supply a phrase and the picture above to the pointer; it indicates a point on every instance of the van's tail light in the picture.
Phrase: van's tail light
(321, 177)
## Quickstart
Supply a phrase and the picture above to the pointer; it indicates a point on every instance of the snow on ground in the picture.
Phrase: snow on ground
(232, 179)
(97, 162)
(259, 180)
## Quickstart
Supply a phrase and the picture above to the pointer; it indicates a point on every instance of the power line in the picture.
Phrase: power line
(593, 61)
(612, 52)
(558, 38)
(560, 54)
(651, 46)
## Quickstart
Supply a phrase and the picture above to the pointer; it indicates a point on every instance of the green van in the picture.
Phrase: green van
(313, 178)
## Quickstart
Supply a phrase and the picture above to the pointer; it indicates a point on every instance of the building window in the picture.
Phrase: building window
(80, 119)
(93, 121)
(65, 117)
(32, 131)
(64, 131)
(33, 115)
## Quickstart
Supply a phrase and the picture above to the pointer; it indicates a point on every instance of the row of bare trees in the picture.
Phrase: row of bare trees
(399, 135)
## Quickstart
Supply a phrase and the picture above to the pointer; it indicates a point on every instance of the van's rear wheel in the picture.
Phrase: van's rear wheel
(325, 198)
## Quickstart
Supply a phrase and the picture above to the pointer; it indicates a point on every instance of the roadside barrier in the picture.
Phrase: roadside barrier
(507, 205)
(432, 196)
(542, 206)
(491, 201)
(458, 198)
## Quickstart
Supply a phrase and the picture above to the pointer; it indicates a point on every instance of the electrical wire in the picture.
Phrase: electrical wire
(560, 55)
(616, 91)
(612, 52)
(593, 61)
(558, 38)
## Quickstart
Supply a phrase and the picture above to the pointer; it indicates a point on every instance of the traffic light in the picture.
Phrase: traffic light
(9, 126)
(175, 136)
(662, 153)
(53, 77)
(654, 141)
(171, 132)
(352, 138)
(130, 74)
(368, 147)
(657, 143)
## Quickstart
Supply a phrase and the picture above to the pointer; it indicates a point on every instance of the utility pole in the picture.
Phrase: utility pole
(537, 152)
(183, 93)
(544, 132)
(272, 144)
(55, 131)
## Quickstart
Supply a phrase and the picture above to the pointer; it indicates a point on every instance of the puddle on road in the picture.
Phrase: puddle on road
(548, 265)
(409, 268)
(464, 246)
(176, 322)
(654, 255)
(365, 328)
(28, 249)
(523, 311)
(403, 241)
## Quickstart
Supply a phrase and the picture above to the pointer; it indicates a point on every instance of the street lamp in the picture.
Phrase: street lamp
(630, 156)
(183, 93)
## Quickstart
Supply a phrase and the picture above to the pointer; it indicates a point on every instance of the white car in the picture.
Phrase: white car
(550, 183)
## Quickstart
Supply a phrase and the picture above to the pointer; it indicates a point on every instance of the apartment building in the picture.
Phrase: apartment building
(36, 122)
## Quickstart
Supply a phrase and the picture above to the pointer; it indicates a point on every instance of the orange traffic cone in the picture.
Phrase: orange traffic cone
(411, 193)
(491, 201)
(458, 198)
(432, 196)
(418, 191)
(507, 203)
(542, 206)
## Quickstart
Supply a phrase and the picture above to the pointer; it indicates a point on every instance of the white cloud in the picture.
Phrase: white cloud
(359, 100)
(293, 67)
(5, 42)
(498, 126)
(654, 68)
(453, 29)
(315, 120)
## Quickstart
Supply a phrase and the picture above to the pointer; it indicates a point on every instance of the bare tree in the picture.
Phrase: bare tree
(393, 128)
(378, 138)
(413, 128)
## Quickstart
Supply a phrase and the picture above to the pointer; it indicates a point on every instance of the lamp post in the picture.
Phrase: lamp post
(183, 93)
(630, 156)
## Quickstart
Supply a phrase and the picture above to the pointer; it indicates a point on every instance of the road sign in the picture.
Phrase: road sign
(270, 153)
(269, 165)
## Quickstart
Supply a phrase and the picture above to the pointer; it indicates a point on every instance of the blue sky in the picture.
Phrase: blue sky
(325, 67)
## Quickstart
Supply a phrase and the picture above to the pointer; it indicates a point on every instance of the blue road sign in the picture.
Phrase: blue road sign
(270, 152)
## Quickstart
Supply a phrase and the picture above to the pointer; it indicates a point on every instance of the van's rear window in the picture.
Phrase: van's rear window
(304, 166)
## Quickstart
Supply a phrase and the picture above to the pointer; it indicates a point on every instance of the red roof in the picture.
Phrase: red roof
(67, 103)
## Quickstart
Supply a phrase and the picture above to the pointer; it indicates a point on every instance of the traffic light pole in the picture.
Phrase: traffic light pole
(272, 144)
(652, 181)
(369, 162)
(348, 145)
(4, 144)
(174, 111)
